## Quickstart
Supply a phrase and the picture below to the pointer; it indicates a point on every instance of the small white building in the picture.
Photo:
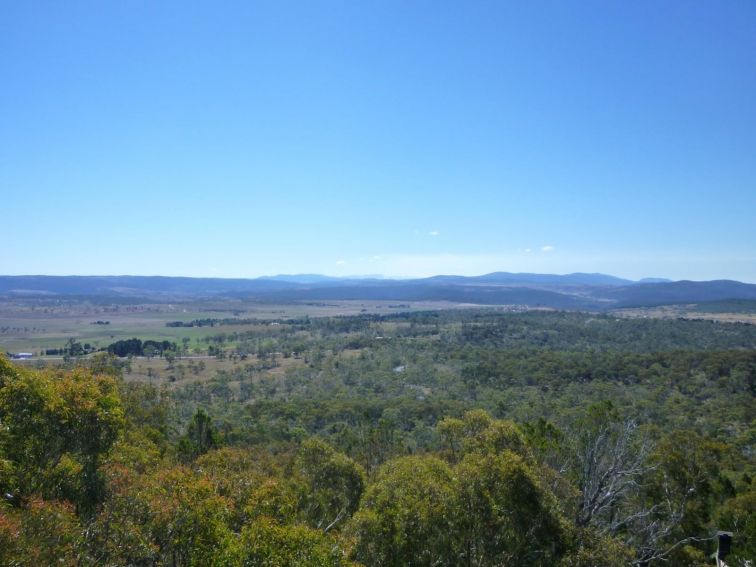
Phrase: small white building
(22, 355)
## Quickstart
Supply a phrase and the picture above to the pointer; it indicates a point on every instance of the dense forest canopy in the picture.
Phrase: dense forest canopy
(436, 438)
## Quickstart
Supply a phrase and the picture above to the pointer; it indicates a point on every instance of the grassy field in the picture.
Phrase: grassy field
(691, 311)
(186, 370)
(36, 325)
(30, 327)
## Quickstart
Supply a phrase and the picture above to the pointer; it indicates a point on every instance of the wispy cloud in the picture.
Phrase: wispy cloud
(341, 262)
(434, 233)
(547, 248)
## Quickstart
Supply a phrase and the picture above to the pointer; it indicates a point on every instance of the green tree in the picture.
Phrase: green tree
(331, 484)
(504, 516)
(407, 515)
(43, 533)
(58, 427)
(253, 481)
(200, 436)
(679, 498)
(738, 515)
(187, 521)
(264, 543)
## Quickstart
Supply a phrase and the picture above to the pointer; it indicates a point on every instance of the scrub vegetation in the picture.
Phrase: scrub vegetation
(448, 437)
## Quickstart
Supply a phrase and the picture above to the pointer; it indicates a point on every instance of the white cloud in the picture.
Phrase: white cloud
(341, 262)
(434, 233)
(528, 250)
(547, 248)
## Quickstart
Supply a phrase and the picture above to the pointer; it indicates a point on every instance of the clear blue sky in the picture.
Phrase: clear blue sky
(404, 138)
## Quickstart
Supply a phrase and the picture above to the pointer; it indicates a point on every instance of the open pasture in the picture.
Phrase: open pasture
(35, 325)
(691, 311)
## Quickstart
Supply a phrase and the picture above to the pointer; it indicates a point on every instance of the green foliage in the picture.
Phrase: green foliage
(122, 533)
(44, 533)
(200, 437)
(187, 520)
(505, 516)
(264, 543)
(146, 408)
(344, 389)
(406, 517)
(684, 488)
(591, 549)
(444, 438)
(738, 515)
(488, 510)
(273, 498)
(252, 481)
(452, 432)
(58, 426)
(331, 484)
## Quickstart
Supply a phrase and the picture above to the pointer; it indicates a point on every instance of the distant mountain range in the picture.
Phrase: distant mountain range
(570, 291)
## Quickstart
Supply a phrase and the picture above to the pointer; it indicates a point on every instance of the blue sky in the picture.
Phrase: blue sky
(401, 138)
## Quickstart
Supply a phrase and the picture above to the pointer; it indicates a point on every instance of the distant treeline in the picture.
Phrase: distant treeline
(137, 347)
(211, 322)
(133, 347)
(72, 348)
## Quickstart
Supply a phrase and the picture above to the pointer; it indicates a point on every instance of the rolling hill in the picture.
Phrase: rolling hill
(570, 291)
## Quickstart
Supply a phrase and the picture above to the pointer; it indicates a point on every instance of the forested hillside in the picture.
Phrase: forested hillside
(435, 438)
(570, 291)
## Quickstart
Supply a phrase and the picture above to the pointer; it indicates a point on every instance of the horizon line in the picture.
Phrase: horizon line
(659, 279)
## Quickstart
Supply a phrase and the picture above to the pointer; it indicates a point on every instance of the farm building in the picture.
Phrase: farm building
(22, 355)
